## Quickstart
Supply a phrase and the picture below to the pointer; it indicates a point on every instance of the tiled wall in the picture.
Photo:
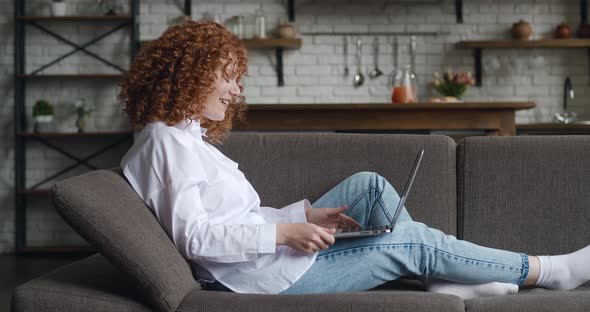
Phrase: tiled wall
(313, 74)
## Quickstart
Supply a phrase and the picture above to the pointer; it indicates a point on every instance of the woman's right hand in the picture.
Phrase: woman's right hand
(306, 237)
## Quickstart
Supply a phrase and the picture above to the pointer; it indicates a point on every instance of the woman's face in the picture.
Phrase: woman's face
(225, 89)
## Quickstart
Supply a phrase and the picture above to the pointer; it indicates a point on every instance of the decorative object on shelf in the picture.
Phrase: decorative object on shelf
(43, 116)
(235, 24)
(83, 110)
(58, 8)
(404, 86)
(522, 30)
(584, 30)
(563, 31)
(260, 24)
(286, 30)
(452, 84)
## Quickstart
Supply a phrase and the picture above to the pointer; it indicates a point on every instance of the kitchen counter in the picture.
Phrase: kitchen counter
(581, 127)
(495, 118)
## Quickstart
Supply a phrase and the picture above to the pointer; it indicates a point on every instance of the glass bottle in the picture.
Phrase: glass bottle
(404, 86)
(260, 24)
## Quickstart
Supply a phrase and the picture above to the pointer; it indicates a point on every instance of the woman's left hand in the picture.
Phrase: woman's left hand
(330, 217)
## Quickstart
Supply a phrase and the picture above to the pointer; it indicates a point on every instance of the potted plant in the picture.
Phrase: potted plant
(58, 8)
(452, 85)
(43, 116)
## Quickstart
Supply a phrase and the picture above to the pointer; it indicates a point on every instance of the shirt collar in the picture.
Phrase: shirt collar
(193, 127)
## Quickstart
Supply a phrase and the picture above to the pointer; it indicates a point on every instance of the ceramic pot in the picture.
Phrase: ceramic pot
(522, 30)
(563, 31)
(286, 31)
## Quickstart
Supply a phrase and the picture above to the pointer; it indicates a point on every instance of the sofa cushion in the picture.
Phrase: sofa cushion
(409, 301)
(537, 299)
(91, 284)
(284, 168)
(525, 193)
(103, 208)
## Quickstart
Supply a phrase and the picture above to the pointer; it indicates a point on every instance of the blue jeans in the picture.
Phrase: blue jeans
(413, 249)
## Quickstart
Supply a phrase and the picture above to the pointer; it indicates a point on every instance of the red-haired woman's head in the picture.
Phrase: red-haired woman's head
(192, 71)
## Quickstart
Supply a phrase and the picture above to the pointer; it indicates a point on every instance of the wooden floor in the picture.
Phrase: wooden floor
(15, 270)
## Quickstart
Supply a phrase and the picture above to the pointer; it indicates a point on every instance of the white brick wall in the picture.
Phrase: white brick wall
(313, 74)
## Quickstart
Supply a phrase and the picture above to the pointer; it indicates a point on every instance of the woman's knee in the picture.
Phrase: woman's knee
(371, 179)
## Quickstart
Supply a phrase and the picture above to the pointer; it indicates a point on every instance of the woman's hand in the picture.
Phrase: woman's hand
(305, 237)
(330, 217)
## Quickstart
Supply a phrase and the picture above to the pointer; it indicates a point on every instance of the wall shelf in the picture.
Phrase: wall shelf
(75, 134)
(71, 76)
(278, 44)
(98, 18)
(479, 45)
(21, 78)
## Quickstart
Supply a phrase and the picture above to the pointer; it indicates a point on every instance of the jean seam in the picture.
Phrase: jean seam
(363, 194)
(426, 246)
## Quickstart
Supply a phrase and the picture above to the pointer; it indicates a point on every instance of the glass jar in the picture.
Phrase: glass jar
(404, 86)
(260, 24)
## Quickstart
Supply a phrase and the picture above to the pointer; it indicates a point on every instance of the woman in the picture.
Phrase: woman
(185, 86)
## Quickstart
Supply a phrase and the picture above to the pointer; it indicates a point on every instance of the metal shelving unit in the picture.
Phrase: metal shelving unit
(22, 138)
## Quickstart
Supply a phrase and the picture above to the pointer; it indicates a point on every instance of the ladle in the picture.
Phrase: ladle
(358, 78)
(375, 72)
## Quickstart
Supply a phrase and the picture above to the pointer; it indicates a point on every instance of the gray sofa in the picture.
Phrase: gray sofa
(529, 194)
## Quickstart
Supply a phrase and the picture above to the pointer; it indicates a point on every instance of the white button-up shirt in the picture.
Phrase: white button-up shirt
(211, 212)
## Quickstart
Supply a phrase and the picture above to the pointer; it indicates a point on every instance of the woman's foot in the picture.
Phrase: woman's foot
(468, 291)
(564, 272)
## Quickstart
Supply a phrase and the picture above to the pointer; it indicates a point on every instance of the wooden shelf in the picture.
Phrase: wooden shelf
(71, 76)
(272, 43)
(278, 44)
(479, 45)
(74, 134)
(98, 18)
(524, 44)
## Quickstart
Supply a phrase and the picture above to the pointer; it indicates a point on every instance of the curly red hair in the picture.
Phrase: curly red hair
(172, 76)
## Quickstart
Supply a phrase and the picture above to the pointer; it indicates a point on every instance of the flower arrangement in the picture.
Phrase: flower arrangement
(452, 84)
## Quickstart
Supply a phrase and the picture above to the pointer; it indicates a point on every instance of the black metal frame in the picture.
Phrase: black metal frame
(79, 161)
(20, 126)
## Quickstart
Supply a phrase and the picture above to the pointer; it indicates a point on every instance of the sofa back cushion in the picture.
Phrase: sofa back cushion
(287, 167)
(525, 193)
(103, 208)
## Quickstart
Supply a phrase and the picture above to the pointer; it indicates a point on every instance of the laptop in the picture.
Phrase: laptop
(373, 230)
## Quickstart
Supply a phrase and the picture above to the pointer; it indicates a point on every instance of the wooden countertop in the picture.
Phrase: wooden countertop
(554, 126)
(388, 106)
(496, 118)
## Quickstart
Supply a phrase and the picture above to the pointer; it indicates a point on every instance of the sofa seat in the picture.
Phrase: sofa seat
(93, 284)
(536, 299)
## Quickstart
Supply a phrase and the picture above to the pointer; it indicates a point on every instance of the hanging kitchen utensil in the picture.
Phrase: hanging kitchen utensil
(375, 72)
(358, 78)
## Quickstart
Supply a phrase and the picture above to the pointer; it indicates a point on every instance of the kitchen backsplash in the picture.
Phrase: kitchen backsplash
(313, 74)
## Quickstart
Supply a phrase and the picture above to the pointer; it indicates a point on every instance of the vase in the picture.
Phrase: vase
(43, 123)
(58, 8)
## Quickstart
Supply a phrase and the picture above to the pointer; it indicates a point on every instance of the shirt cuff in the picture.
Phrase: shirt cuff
(296, 211)
(267, 238)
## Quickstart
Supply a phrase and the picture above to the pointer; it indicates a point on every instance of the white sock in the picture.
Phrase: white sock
(468, 291)
(565, 272)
